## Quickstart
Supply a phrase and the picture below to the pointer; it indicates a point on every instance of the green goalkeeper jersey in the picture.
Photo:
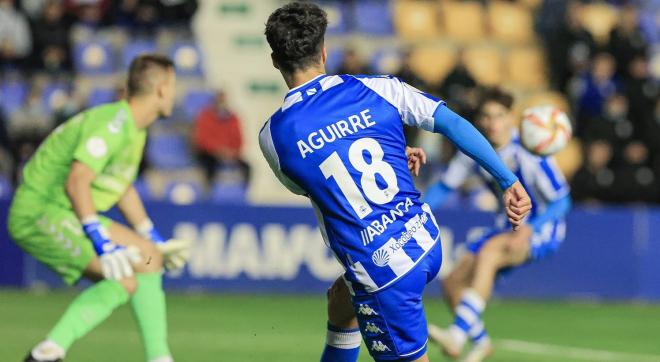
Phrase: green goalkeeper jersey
(104, 138)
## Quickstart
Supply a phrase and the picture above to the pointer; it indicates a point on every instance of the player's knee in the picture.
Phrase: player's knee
(151, 254)
(129, 284)
(340, 308)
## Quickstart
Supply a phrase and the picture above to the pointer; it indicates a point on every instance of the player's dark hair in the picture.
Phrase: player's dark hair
(496, 95)
(138, 72)
(295, 33)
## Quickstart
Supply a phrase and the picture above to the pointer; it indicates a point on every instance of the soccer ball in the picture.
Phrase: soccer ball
(545, 130)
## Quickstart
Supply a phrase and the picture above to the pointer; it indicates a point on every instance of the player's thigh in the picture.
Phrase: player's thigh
(152, 259)
(53, 236)
(340, 308)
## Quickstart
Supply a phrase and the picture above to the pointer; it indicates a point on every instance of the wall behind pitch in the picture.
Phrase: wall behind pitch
(609, 253)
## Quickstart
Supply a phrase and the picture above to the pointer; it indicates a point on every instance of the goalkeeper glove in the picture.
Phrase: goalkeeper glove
(115, 260)
(175, 252)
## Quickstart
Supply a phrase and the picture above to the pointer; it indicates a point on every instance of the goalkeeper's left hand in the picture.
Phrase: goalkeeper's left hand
(175, 252)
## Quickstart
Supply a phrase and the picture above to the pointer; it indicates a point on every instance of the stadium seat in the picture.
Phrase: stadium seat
(187, 59)
(99, 96)
(183, 192)
(484, 63)
(463, 21)
(373, 17)
(386, 61)
(93, 58)
(12, 96)
(338, 17)
(526, 67)
(229, 193)
(510, 22)
(599, 19)
(432, 63)
(135, 48)
(54, 96)
(168, 151)
(195, 101)
(414, 19)
(6, 190)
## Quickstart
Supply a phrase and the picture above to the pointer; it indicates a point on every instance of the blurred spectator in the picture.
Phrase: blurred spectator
(15, 40)
(353, 64)
(568, 45)
(591, 89)
(634, 180)
(594, 180)
(137, 15)
(642, 91)
(627, 40)
(458, 88)
(218, 138)
(52, 50)
(178, 12)
(614, 125)
(408, 75)
(27, 127)
(91, 13)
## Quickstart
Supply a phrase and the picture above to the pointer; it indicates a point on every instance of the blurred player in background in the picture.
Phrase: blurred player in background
(339, 141)
(86, 166)
(470, 284)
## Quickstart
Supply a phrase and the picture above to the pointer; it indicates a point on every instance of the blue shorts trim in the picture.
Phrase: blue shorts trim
(392, 320)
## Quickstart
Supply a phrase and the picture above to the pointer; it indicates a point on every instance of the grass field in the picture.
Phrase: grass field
(292, 329)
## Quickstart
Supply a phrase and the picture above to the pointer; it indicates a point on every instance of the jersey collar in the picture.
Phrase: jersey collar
(306, 85)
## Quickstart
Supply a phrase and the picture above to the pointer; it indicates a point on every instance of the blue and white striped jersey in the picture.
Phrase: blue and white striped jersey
(339, 140)
(540, 176)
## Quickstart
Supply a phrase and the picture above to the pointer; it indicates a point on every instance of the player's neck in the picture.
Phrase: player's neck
(143, 112)
(301, 77)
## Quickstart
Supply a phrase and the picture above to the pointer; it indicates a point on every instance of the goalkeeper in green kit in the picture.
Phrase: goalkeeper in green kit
(86, 166)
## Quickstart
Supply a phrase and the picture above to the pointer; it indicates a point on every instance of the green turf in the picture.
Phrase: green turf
(292, 329)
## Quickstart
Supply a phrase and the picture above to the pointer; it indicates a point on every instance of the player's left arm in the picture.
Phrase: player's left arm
(176, 252)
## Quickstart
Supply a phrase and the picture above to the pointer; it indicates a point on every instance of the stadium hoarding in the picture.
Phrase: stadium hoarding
(609, 253)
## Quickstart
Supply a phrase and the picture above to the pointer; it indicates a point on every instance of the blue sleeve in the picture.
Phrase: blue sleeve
(436, 194)
(463, 134)
(554, 211)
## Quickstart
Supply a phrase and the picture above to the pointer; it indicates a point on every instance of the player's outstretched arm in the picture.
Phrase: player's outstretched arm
(472, 143)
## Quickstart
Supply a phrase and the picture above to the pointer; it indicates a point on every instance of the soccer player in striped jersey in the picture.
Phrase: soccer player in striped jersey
(338, 140)
(470, 284)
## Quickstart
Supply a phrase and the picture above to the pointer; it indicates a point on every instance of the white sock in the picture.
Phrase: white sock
(48, 350)
(163, 359)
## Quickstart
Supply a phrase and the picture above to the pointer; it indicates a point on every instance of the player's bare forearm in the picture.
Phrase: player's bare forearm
(79, 189)
(131, 206)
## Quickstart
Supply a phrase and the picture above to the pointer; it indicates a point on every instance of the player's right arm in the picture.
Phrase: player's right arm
(115, 260)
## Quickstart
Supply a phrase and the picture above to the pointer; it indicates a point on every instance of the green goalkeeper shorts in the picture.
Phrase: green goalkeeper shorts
(51, 234)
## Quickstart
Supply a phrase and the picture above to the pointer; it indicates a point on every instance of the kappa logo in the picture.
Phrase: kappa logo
(365, 309)
(373, 328)
(379, 346)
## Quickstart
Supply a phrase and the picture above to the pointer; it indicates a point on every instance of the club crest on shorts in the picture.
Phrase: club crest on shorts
(365, 309)
(373, 328)
(378, 346)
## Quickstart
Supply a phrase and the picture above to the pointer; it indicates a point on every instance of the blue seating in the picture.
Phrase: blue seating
(187, 59)
(386, 61)
(142, 187)
(54, 96)
(12, 96)
(6, 190)
(135, 48)
(373, 17)
(93, 58)
(229, 193)
(195, 101)
(183, 192)
(100, 96)
(338, 17)
(168, 151)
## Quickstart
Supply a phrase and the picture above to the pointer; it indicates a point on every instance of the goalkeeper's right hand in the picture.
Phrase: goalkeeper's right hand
(115, 260)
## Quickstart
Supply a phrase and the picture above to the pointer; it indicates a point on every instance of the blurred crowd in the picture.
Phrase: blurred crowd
(608, 85)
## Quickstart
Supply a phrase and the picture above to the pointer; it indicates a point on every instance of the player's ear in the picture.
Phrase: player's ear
(272, 57)
(324, 54)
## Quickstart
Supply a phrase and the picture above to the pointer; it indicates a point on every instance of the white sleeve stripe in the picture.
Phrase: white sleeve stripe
(329, 82)
(291, 100)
